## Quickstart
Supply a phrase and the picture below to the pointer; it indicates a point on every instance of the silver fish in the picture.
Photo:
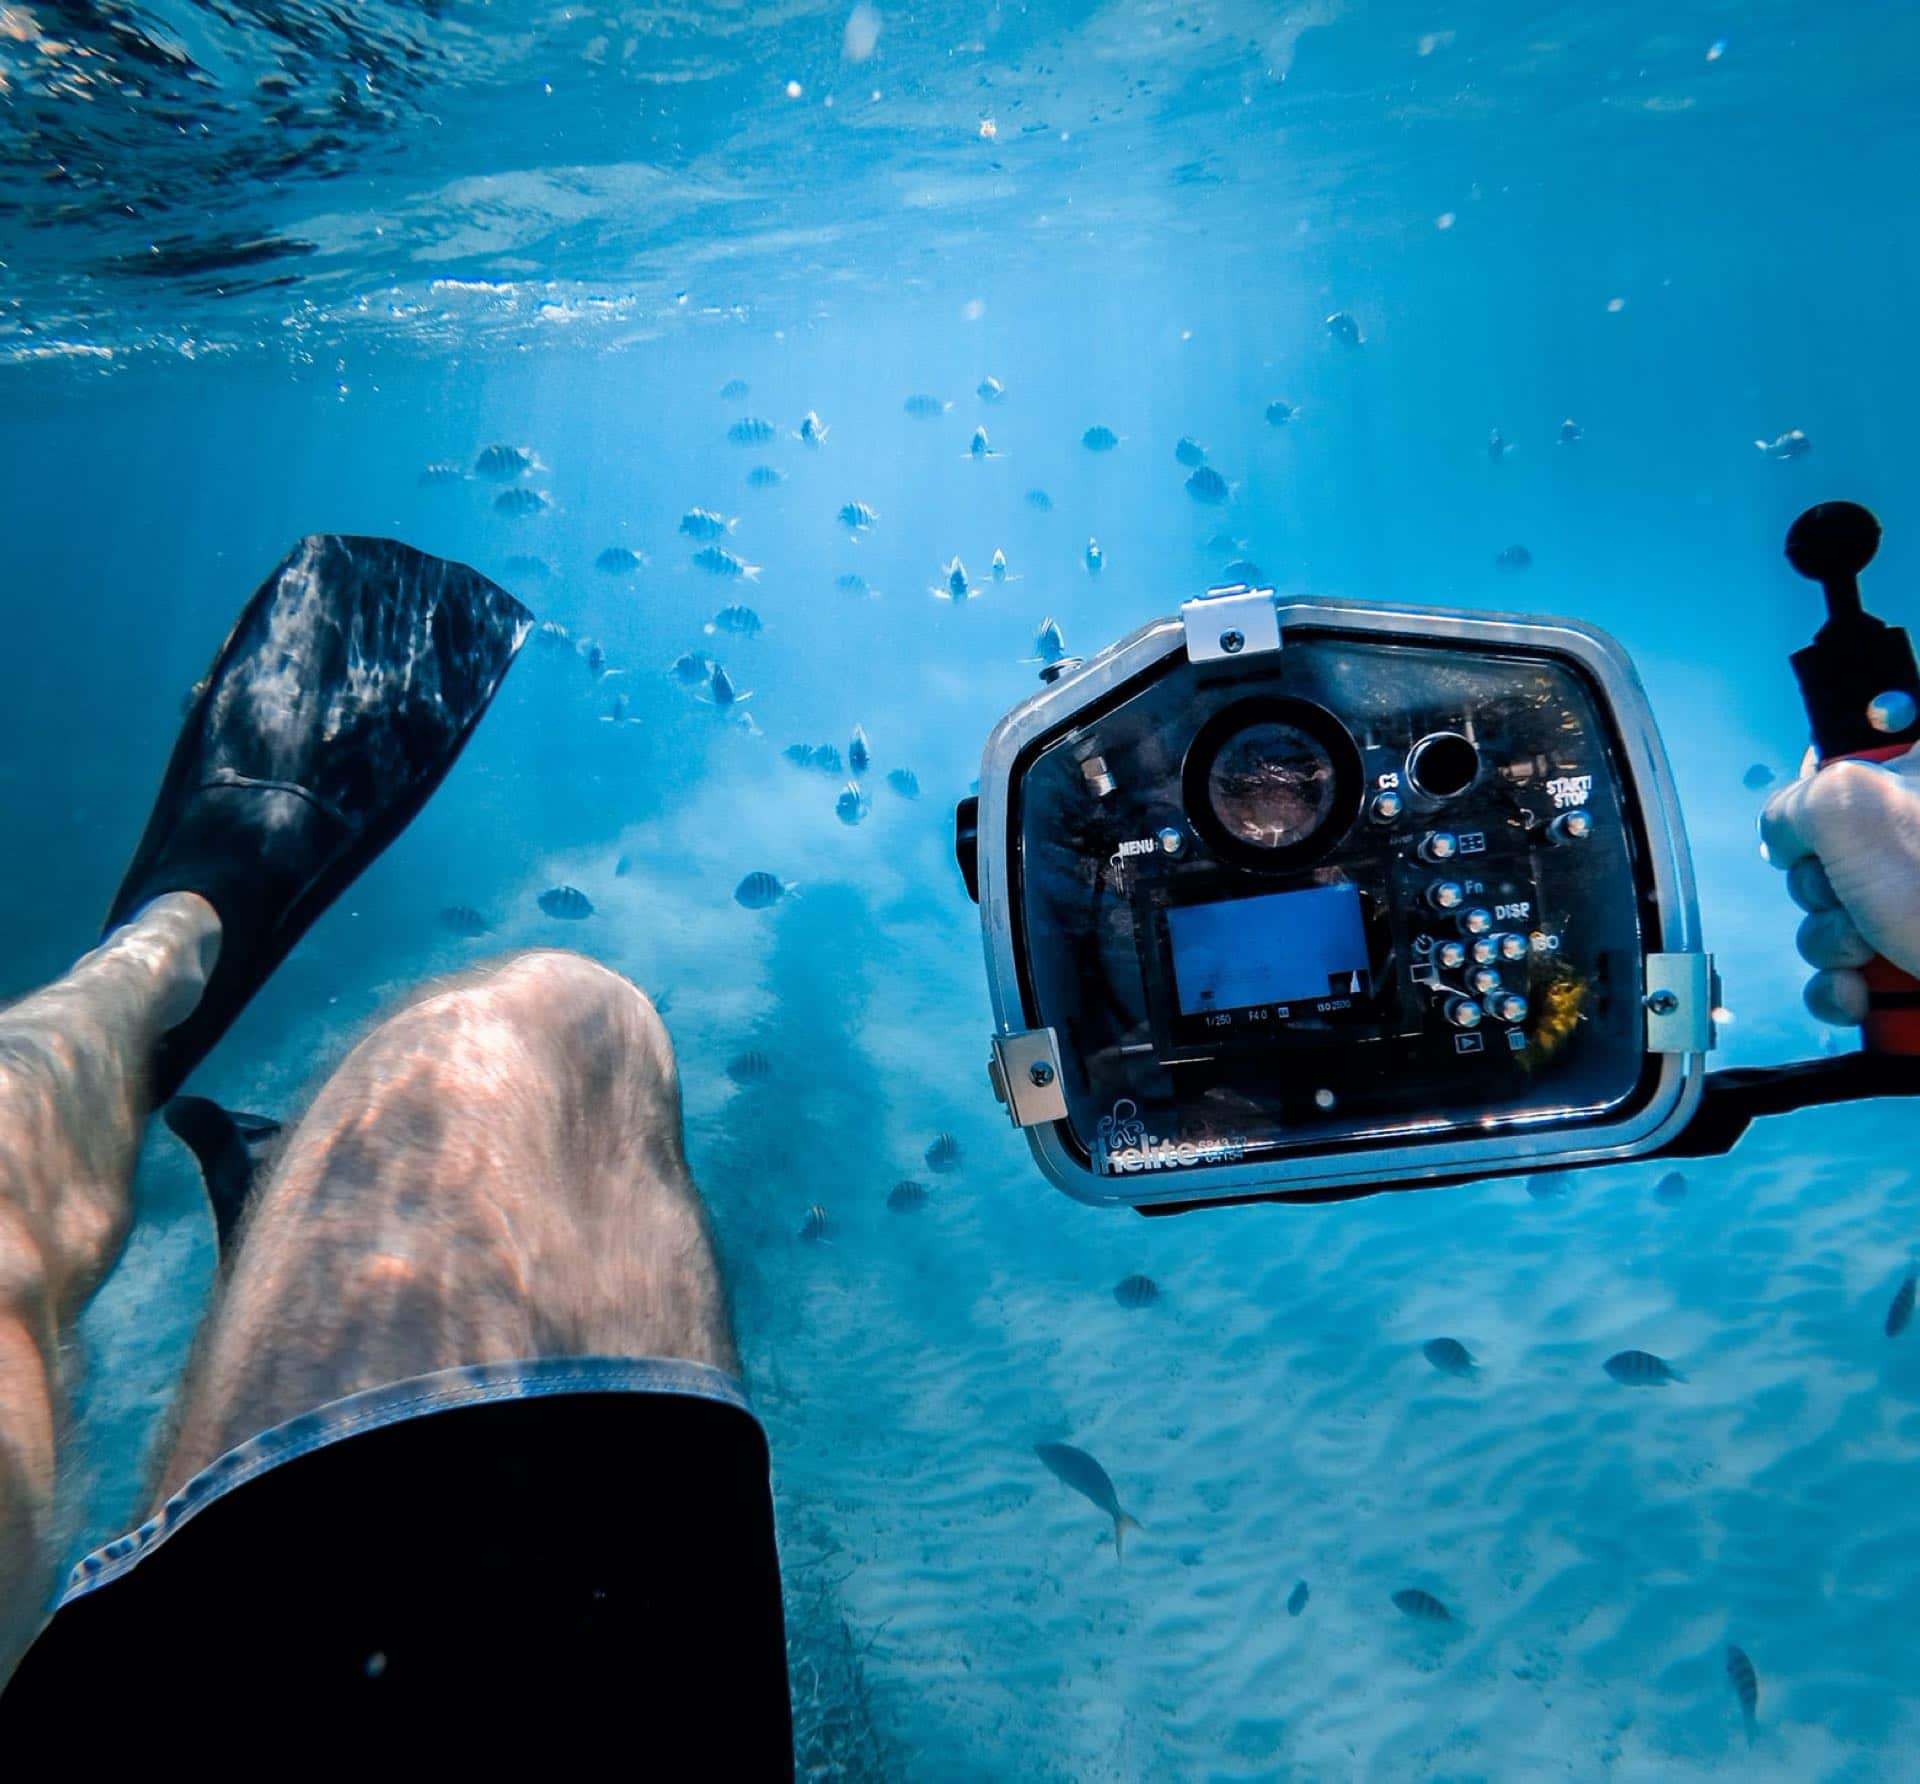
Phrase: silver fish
(811, 431)
(442, 474)
(619, 560)
(705, 523)
(925, 408)
(766, 477)
(1096, 558)
(904, 782)
(1671, 1188)
(858, 754)
(1087, 1478)
(1206, 485)
(690, 670)
(750, 1068)
(519, 502)
(1757, 776)
(751, 430)
(1039, 500)
(1280, 413)
(501, 464)
(1345, 330)
(1134, 1292)
(1423, 1607)
(957, 588)
(814, 1225)
(1641, 1369)
(741, 621)
(1514, 557)
(857, 516)
(568, 902)
(1449, 1356)
(721, 691)
(1792, 444)
(1900, 1309)
(1297, 1598)
(1498, 446)
(1189, 451)
(990, 390)
(907, 1196)
(999, 567)
(851, 582)
(1099, 438)
(1570, 431)
(1049, 644)
(464, 921)
(716, 560)
(851, 807)
(943, 1153)
(733, 390)
(979, 446)
(1746, 1687)
(761, 890)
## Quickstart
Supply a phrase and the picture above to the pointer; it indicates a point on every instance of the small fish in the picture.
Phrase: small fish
(733, 390)
(814, 1225)
(1207, 486)
(799, 754)
(851, 807)
(1345, 330)
(1423, 1607)
(761, 890)
(551, 631)
(464, 920)
(1900, 1309)
(534, 569)
(925, 408)
(1671, 1188)
(852, 582)
(990, 390)
(1189, 451)
(519, 502)
(1039, 500)
(595, 659)
(616, 713)
(716, 560)
(749, 1068)
(722, 693)
(567, 902)
(857, 516)
(858, 755)
(1244, 570)
(957, 588)
(1087, 1478)
(751, 430)
(1049, 643)
(904, 782)
(999, 567)
(1641, 1369)
(705, 523)
(1550, 1186)
(1515, 558)
(501, 464)
(1449, 1356)
(907, 1196)
(1756, 777)
(979, 446)
(1570, 431)
(741, 621)
(1099, 438)
(1095, 557)
(1136, 1291)
(943, 1153)
(1746, 1686)
(1280, 413)
(690, 670)
(811, 431)
(1792, 444)
(619, 560)
(442, 474)
(1297, 1598)
(766, 477)
(825, 757)
(622, 866)
(1497, 445)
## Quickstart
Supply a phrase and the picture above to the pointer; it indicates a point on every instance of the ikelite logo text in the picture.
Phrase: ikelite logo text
(1122, 1145)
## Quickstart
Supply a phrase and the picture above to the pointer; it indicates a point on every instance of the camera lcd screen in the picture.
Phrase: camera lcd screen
(1279, 948)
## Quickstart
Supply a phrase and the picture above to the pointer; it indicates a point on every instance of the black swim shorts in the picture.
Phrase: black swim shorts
(575, 1554)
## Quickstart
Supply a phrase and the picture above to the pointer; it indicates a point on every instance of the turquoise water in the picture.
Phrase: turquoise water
(263, 264)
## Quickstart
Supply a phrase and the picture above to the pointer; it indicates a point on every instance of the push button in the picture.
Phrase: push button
(1439, 845)
(1447, 895)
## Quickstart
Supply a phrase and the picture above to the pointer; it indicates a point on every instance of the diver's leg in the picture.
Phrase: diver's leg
(74, 1091)
(495, 1173)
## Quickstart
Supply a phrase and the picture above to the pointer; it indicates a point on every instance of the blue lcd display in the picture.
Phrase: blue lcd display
(1279, 948)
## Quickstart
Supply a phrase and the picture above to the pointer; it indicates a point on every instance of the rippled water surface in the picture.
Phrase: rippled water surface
(266, 263)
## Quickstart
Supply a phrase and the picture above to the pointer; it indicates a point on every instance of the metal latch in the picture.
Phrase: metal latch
(1025, 1074)
(1231, 621)
(1681, 991)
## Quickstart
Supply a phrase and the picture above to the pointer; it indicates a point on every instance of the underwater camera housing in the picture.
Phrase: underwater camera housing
(1301, 899)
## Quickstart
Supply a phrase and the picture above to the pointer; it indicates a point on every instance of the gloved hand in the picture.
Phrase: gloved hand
(1847, 837)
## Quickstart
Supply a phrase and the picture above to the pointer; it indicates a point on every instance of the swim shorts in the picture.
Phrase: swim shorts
(576, 1553)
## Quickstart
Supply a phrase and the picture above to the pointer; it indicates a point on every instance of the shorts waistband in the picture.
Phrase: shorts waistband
(418, 1396)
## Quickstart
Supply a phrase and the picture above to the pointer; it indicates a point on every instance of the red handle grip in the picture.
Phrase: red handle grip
(1895, 1029)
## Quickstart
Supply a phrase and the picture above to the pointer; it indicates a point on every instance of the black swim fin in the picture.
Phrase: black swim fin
(235, 1151)
(344, 693)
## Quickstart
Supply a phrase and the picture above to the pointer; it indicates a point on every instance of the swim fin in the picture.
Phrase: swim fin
(235, 1151)
(345, 691)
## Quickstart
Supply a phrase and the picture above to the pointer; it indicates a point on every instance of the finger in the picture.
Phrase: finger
(1828, 939)
(1838, 998)
(1783, 824)
(1809, 887)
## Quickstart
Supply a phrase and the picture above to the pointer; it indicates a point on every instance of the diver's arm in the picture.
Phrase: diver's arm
(1847, 835)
